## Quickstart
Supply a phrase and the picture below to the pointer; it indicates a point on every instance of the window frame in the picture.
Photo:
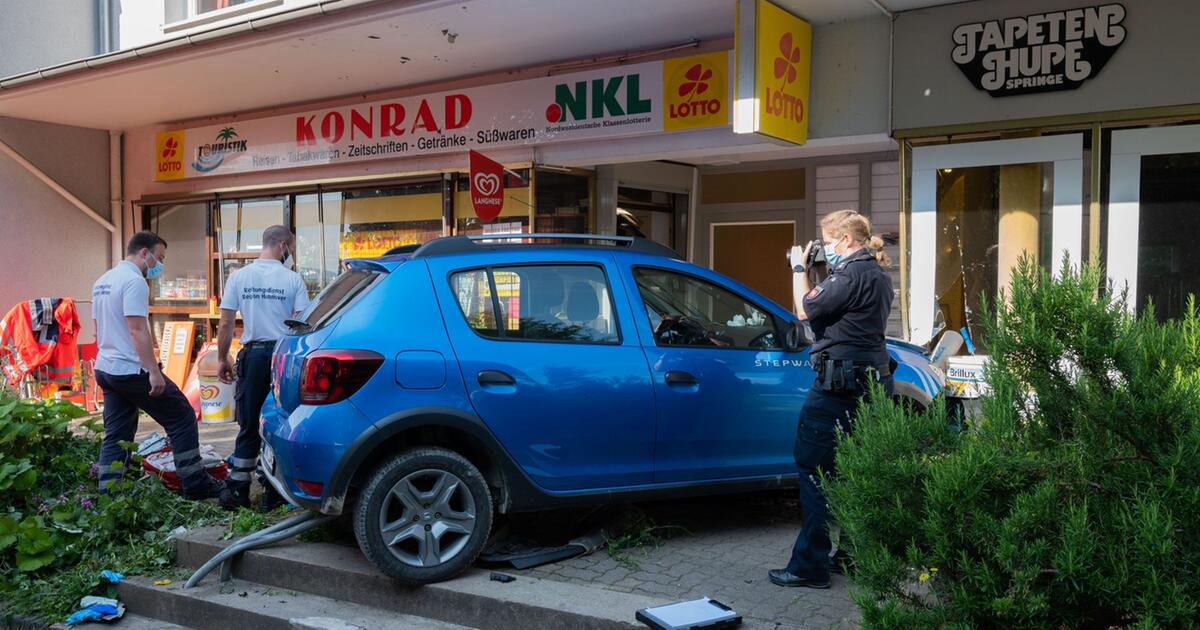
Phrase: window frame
(780, 336)
(502, 332)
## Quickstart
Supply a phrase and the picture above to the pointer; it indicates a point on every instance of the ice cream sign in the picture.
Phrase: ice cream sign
(652, 97)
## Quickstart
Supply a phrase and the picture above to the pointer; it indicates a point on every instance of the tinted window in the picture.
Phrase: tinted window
(687, 311)
(539, 303)
(337, 295)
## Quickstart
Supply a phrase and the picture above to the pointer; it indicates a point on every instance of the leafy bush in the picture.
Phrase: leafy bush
(56, 534)
(1074, 502)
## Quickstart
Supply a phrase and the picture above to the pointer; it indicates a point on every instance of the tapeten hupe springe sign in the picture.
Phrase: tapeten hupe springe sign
(653, 97)
(1043, 52)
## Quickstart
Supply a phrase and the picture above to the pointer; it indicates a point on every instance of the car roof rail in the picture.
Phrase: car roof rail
(475, 243)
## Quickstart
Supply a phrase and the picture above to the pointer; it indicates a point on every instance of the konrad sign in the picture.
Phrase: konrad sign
(652, 97)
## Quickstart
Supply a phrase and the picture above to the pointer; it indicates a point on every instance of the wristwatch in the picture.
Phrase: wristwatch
(798, 269)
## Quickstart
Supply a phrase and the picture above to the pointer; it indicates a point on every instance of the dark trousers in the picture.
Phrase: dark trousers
(123, 397)
(253, 386)
(824, 413)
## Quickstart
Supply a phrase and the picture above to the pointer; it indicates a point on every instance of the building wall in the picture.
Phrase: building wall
(49, 248)
(39, 33)
(849, 82)
(1153, 67)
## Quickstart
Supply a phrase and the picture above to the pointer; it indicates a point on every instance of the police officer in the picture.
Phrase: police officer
(128, 372)
(267, 292)
(848, 312)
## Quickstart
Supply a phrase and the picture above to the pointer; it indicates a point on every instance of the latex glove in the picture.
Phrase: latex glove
(797, 255)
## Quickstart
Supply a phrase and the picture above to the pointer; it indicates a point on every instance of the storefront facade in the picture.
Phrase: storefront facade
(1062, 130)
(612, 148)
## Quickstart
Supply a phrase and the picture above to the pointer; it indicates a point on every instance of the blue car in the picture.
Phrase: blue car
(426, 393)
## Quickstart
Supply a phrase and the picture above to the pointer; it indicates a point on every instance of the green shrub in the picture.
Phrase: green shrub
(56, 534)
(1074, 502)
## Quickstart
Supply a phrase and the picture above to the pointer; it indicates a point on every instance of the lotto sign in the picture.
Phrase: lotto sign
(487, 186)
(773, 58)
(696, 92)
(168, 155)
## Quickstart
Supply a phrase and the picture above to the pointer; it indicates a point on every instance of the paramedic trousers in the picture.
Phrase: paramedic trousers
(823, 415)
(253, 386)
(124, 395)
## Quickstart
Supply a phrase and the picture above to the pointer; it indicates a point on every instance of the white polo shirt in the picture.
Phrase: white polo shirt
(121, 292)
(266, 293)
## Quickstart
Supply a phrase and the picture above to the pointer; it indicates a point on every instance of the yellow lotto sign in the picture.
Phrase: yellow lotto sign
(696, 92)
(774, 59)
(168, 155)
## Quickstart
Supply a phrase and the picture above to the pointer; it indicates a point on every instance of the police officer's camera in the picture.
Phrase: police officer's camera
(816, 254)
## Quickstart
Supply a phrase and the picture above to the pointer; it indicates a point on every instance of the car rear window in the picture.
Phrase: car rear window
(337, 295)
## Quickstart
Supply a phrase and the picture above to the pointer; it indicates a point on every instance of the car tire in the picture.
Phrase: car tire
(423, 516)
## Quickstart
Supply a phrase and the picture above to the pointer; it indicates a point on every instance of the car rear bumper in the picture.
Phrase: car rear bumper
(306, 445)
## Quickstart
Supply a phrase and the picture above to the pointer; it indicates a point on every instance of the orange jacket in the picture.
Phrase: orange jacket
(21, 352)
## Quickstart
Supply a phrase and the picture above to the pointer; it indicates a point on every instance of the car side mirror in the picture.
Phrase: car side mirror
(799, 336)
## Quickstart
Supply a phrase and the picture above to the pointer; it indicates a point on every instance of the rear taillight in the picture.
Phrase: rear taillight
(329, 376)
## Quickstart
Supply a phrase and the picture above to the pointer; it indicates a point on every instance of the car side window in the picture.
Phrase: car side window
(688, 311)
(539, 303)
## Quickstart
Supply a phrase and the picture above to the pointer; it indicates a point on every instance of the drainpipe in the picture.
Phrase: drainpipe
(116, 192)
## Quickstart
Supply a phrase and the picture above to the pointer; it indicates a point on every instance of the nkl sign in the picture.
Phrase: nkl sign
(598, 98)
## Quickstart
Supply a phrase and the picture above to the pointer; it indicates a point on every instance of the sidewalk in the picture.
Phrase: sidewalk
(719, 547)
(729, 545)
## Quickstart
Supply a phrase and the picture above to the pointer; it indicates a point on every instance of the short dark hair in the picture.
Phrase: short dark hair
(143, 240)
(276, 234)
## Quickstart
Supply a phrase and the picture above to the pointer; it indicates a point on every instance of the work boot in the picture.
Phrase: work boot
(781, 577)
(235, 497)
(206, 488)
(271, 499)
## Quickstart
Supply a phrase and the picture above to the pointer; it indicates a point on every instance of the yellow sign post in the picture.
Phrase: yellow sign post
(773, 61)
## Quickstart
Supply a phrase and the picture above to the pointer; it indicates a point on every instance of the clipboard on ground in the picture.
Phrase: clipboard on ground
(704, 613)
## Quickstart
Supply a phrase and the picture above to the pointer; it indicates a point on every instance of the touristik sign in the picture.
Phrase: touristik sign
(1043, 52)
(773, 53)
(652, 97)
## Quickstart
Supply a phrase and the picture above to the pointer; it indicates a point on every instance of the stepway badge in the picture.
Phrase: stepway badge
(1039, 53)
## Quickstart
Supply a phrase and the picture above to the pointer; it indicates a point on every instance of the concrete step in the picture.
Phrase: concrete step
(131, 622)
(239, 604)
(342, 573)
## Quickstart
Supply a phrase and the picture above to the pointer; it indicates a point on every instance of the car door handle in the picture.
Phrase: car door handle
(494, 377)
(681, 379)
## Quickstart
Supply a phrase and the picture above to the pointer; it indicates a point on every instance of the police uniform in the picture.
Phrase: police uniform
(267, 294)
(848, 313)
(122, 292)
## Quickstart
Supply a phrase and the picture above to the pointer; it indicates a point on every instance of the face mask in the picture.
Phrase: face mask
(288, 261)
(156, 270)
(832, 256)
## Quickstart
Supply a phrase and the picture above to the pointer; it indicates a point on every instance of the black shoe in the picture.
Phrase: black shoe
(781, 577)
(234, 498)
(270, 499)
(841, 563)
(208, 489)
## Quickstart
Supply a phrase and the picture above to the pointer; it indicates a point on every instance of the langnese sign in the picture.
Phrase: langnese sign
(1041, 52)
(487, 186)
(651, 97)
(773, 50)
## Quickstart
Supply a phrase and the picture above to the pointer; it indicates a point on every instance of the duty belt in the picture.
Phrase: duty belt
(838, 375)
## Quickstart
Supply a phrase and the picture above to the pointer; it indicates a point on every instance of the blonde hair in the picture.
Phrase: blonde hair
(858, 228)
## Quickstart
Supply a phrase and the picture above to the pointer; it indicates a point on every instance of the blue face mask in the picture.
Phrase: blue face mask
(156, 270)
(832, 256)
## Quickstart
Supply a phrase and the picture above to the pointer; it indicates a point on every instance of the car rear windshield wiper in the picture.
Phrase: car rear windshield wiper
(298, 326)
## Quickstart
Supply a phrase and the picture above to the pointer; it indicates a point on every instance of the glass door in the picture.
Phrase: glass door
(977, 208)
(239, 228)
(1153, 207)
